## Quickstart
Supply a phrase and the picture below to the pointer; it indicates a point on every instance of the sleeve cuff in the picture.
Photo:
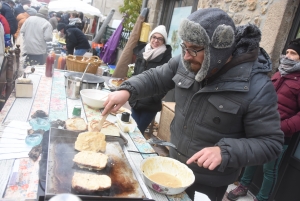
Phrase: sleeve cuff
(224, 155)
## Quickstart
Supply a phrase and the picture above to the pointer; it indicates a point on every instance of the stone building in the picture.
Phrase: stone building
(278, 20)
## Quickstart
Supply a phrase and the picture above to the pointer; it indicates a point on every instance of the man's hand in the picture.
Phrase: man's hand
(209, 157)
(115, 100)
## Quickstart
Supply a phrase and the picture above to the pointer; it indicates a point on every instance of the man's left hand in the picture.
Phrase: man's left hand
(209, 157)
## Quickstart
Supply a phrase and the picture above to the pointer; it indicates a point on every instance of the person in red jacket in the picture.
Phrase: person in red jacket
(287, 85)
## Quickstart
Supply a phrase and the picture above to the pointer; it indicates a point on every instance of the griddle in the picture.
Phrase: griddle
(60, 169)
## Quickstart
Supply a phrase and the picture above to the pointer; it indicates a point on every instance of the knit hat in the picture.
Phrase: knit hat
(31, 11)
(23, 2)
(161, 29)
(58, 15)
(295, 45)
(213, 29)
(60, 26)
(44, 11)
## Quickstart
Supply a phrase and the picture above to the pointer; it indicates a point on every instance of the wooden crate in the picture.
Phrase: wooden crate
(166, 117)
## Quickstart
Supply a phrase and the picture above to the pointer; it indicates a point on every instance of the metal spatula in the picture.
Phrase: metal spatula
(165, 143)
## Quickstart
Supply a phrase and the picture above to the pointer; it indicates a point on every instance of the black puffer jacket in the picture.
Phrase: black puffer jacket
(8, 13)
(75, 38)
(236, 111)
(152, 103)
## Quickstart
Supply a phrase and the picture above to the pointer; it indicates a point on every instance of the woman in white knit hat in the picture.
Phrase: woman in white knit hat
(150, 55)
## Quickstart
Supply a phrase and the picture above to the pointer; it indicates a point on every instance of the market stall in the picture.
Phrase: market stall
(74, 6)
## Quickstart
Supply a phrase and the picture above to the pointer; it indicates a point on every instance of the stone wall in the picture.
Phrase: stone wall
(105, 7)
(273, 17)
(154, 14)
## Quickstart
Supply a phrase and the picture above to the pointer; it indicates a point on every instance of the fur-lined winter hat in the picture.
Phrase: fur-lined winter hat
(213, 29)
(161, 29)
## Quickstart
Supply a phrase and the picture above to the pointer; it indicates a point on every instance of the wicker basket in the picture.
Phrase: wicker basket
(79, 63)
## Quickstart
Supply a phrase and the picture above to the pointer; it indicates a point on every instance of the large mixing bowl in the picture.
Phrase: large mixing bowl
(94, 98)
(159, 164)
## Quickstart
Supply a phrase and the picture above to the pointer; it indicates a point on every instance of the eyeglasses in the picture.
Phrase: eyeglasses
(192, 52)
(157, 38)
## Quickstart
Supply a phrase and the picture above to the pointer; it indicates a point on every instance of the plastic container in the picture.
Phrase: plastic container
(112, 69)
(124, 126)
(40, 123)
(61, 63)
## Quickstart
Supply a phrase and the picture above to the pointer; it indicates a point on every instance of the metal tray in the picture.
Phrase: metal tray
(60, 168)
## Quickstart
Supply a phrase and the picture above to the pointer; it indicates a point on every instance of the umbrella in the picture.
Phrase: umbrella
(74, 5)
(126, 56)
(108, 54)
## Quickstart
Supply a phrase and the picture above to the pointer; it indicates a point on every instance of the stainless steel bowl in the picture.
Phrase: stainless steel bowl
(89, 81)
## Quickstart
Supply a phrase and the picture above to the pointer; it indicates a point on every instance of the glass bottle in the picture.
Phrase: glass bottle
(59, 62)
(49, 65)
(63, 62)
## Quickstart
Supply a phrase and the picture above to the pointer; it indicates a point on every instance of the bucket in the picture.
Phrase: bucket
(73, 87)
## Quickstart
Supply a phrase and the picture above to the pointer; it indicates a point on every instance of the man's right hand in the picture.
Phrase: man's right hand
(115, 100)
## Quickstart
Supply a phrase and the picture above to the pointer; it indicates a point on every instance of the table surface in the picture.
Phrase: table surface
(49, 95)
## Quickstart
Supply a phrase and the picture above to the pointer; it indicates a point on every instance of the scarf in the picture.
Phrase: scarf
(288, 66)
(151, 54)
(73, 21)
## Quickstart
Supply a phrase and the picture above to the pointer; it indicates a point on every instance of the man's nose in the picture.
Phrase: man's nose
(288, 55)
(187, 56)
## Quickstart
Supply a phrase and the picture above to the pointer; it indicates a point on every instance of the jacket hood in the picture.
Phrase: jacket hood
(22, 16)
(213, 29)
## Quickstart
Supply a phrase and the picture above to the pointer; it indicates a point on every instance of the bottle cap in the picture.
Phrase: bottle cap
(125, 116)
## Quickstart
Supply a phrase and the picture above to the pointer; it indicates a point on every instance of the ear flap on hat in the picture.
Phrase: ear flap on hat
(223, 37)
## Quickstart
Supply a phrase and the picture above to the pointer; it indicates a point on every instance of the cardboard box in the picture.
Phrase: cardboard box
(24, 90)
(166, 117)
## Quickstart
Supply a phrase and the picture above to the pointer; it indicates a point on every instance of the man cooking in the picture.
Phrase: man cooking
(226, 107)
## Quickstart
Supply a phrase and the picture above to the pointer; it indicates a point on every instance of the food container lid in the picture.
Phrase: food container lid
(125, 117)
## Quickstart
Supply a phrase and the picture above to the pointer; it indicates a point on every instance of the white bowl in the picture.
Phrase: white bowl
(93, 97)
(156, 164)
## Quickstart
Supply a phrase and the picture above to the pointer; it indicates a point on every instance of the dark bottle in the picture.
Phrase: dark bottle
(125, 117)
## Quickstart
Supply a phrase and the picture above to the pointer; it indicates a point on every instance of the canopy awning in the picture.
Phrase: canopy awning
(74, 6)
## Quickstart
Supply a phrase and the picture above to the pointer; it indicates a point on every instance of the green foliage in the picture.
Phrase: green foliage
(131, 9)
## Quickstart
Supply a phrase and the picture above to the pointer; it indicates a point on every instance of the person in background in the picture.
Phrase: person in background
(22, 15)
(76, 41)
(83, 19)
(7, 11)
(75, 20)
(65, 18)
(20, 8)
(150, 55)
(226, 113)
(2, 44)
(6, 34)
(55, 20)
(287, 84)
(36, 31)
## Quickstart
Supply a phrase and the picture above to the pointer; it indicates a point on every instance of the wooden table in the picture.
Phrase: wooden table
(49, 95)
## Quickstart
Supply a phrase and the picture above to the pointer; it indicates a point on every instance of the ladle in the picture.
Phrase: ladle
(165, 143)
(85, 70)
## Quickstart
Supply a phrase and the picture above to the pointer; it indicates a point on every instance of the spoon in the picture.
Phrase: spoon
(165, 143)
(85, 70)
